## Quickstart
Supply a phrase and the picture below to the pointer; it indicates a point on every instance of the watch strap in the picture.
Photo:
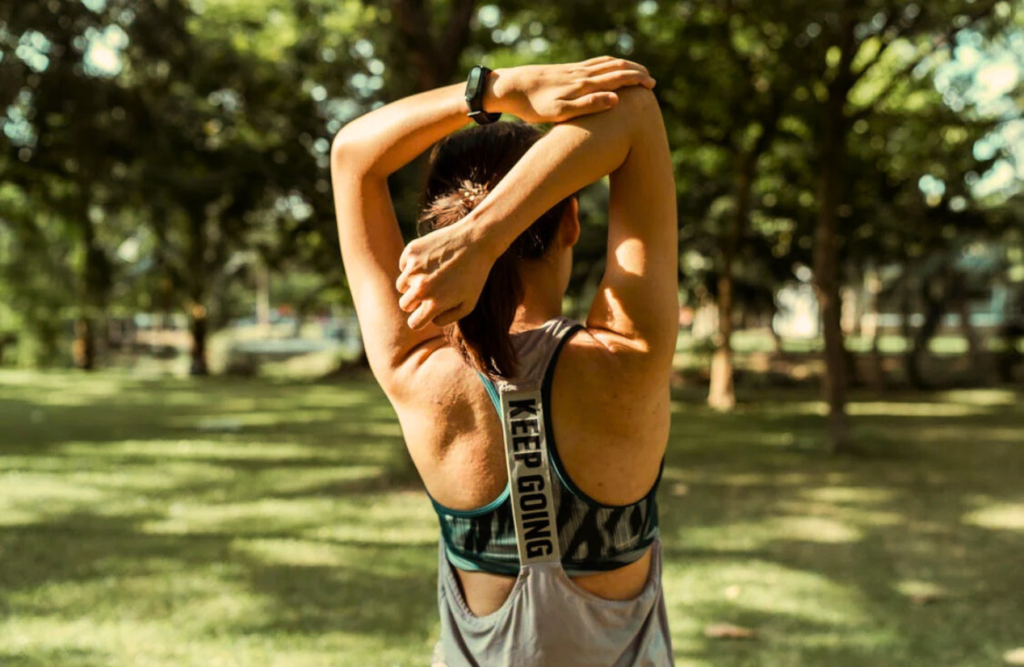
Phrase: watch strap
(476, 84)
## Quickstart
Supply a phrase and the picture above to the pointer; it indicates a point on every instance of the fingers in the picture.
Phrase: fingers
(407, 302)
(592, 103)
(450, 316)
(618, 79)
(407, 252)
(609, 64)
(404, 282)
(423, 315)
(597, 61)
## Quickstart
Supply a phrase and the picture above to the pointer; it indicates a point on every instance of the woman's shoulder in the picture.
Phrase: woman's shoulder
(603, 351)
(608, 378)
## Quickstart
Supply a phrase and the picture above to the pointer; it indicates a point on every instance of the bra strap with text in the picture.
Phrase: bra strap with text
(529, 474)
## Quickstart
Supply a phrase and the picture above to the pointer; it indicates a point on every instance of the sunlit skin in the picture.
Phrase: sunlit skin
(610, 398)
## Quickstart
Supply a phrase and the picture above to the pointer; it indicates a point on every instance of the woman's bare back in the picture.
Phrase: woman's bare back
(610, 421)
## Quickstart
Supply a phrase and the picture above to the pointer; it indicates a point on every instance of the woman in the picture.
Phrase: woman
(549, 552)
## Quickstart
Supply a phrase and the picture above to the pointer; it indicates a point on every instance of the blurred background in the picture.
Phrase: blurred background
(197, 468)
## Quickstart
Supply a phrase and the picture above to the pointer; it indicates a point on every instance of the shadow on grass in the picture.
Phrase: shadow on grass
(297, 525)
(895, 533)
(370, 588)
(63, 657)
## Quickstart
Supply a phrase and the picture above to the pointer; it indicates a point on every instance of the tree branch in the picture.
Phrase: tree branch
(937, 44)
(770, 123)
(890, 20)
(414, 24)
(973, 17)
(456, 36)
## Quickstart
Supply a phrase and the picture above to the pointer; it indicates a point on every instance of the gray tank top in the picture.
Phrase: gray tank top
(547, 620)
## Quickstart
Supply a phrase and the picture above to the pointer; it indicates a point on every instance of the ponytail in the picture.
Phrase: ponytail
(464, 169)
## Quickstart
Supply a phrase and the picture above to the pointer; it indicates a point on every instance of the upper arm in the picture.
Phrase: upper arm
(371, 245)
(637, 299)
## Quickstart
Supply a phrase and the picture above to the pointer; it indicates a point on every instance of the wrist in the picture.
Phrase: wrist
(496, 91)
(483, 235)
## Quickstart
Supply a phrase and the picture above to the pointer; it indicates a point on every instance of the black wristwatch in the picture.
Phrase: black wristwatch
(475, 86)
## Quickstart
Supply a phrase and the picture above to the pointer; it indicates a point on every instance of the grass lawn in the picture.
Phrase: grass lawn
(171, 523)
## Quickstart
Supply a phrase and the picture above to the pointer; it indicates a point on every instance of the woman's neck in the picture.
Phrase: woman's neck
(542, 294)
(536, 309)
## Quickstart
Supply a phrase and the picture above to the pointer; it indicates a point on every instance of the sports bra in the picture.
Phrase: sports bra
(593, 537)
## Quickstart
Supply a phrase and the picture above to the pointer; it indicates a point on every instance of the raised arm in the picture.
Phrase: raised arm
(636, 304)
(376, 145)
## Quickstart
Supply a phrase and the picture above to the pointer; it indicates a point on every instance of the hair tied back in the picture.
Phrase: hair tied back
(472, 193)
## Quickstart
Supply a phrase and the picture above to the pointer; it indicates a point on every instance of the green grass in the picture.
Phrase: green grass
(138, 528)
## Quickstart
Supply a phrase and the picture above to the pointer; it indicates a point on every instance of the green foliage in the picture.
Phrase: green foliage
(163, 146)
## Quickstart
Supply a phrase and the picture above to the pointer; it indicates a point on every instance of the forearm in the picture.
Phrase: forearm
(572, 155)
(383, 141)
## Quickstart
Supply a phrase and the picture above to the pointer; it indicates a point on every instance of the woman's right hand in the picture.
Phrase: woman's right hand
(443, 274)
(554, 93)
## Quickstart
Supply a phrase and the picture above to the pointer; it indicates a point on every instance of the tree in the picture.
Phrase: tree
(854, 72)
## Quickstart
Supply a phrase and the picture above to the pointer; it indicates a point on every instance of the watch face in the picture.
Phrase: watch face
(474, 81)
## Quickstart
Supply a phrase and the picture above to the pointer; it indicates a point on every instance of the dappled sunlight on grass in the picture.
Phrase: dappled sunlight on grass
(980, 396)
(209, 450)
(262, 516)
(958, 435)
(274, 523)
(755, 535)
(815, 529)
(849, 495)
(851, 515)
(920, 590)
(887, 409)
(1002, 516)
(394, 518)
(814, 613)
(292, 551)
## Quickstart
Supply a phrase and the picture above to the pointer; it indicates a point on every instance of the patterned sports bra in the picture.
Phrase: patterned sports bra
(592, 537)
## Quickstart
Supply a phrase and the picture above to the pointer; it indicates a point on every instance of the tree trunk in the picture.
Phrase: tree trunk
(722, 393)
(933, 297)
(84, 348)
(871, 327)
(906, 331)
(960, 306)
(777, 342)
(262, 272)
(95, 283)
(198, 327)
(198, 289)
(826, 279)
(1011, 332)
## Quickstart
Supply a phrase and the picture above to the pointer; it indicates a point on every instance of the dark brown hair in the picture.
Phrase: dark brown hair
(463, 169)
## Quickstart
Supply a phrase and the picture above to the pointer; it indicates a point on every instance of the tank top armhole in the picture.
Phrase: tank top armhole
(492, 391)
(556, 461)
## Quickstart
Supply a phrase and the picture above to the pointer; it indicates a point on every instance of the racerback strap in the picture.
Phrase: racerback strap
(529, 474)
(526, 442)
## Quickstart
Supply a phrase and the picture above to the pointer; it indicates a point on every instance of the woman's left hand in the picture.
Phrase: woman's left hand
(555, 93)
(443, 274)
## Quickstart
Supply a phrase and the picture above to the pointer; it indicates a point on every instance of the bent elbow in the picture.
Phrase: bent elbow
(637, 99)
(344, 151)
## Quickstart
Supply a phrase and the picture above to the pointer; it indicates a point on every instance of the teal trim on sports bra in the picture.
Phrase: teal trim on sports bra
(489, 507)
(503, 496)
(492, 392)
